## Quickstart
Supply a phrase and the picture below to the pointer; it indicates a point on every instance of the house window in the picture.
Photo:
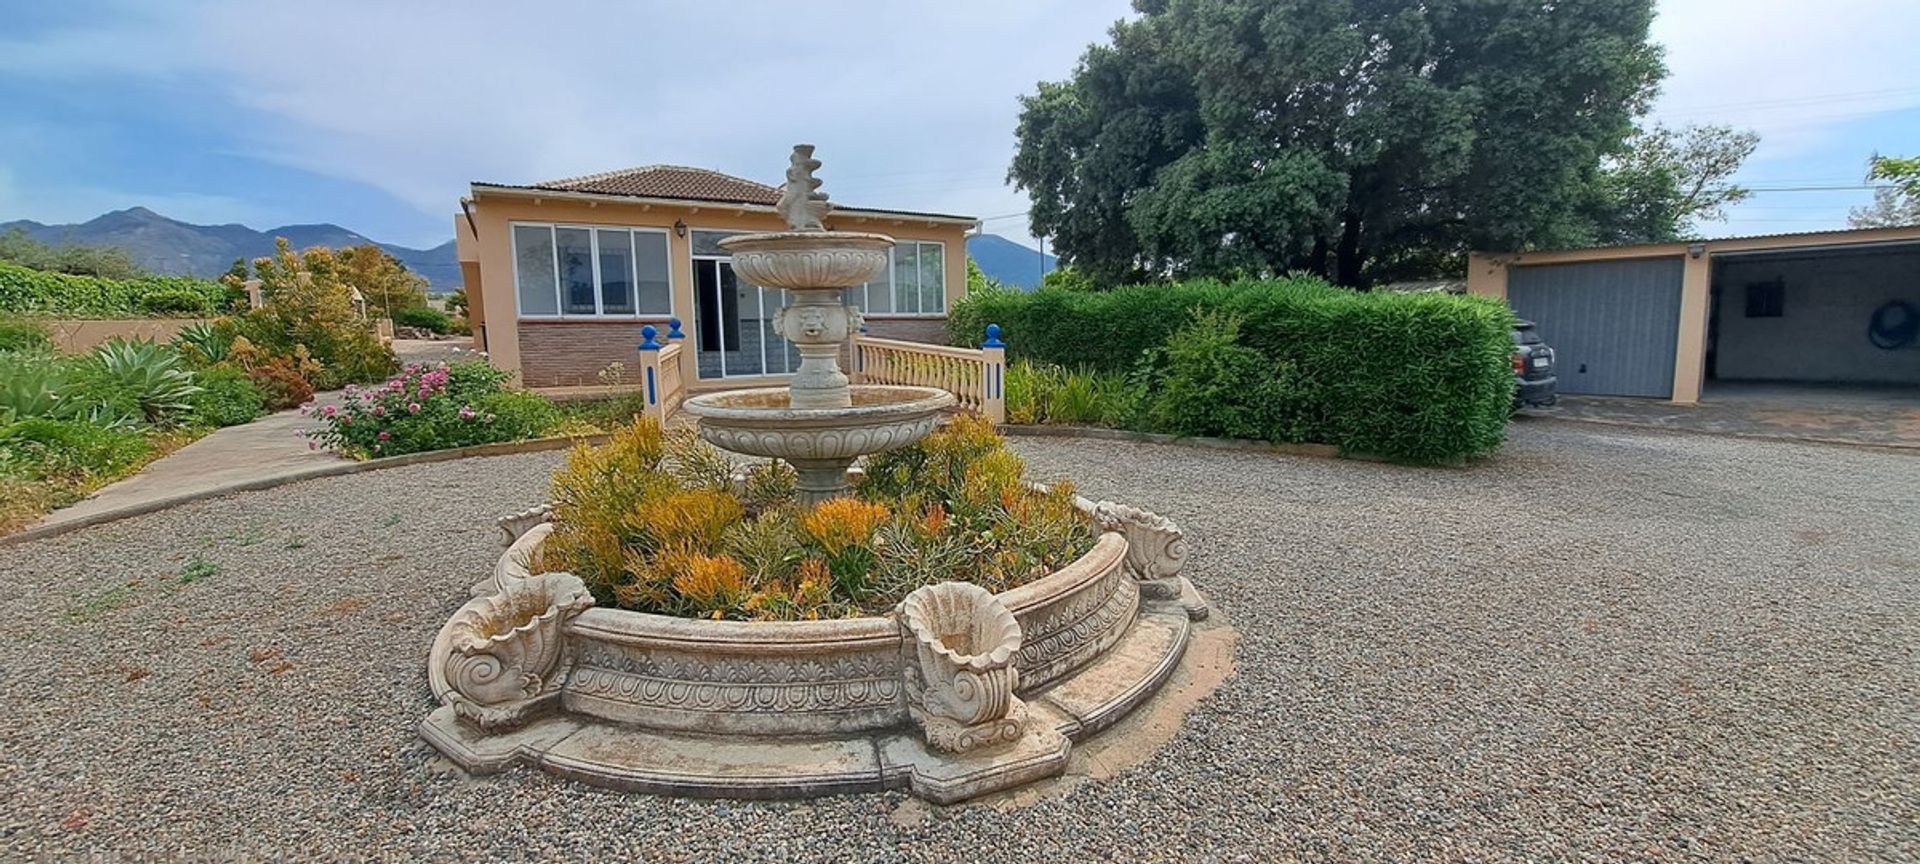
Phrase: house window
(584, 271)
(1767, 299)
(915, 283)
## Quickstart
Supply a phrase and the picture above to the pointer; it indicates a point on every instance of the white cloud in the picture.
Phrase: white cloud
(912, 105)
(1796, 72)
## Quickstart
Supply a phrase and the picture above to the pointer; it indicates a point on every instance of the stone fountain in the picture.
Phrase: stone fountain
(954, 693)
(819, 423)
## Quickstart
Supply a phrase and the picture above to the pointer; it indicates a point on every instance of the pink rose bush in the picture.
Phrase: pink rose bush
(432, 407)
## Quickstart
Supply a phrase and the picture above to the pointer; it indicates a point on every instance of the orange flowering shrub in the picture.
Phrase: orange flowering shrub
(662, 523)
(839, 523)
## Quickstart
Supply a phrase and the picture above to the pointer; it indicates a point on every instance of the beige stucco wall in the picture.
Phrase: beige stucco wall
(493, 212)
(1487, 277)
(77, 336)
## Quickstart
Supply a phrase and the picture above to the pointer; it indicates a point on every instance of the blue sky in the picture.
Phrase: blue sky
(375, 115)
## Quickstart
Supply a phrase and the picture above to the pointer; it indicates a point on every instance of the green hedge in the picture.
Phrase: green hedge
(423, 317)
(1417, 377)
(25, 290)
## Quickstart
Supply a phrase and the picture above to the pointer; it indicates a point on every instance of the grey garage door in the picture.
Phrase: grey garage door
(1612, 324)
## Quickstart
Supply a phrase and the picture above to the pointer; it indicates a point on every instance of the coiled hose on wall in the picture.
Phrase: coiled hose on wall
(1895, 325)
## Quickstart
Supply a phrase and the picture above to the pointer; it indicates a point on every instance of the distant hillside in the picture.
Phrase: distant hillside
(1009, 262)
(166, 245)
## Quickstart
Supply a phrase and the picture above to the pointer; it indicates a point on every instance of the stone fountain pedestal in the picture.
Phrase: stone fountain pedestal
(819, 423)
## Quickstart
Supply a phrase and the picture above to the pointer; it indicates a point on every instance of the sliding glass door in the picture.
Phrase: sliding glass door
(733, 319)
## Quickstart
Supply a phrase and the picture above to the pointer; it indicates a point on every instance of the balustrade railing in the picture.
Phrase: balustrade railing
(975, 376)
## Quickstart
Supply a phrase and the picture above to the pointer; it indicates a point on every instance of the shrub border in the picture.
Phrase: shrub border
(344, 466)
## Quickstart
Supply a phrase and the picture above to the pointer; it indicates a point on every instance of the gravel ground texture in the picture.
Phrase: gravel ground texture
(1600, 645)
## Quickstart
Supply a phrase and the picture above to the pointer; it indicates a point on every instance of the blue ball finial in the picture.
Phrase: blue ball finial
(673, 329)
(993, 337)
(646, 338)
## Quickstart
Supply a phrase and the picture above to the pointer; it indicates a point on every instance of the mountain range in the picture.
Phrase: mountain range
(165, 245)
(1011, 263)
(171, 246)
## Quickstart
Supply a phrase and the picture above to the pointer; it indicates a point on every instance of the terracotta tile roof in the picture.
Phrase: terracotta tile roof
(669, 181)
(680, 183)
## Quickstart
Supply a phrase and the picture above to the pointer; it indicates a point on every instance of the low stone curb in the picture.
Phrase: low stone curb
(1318, 451)
(344, 466)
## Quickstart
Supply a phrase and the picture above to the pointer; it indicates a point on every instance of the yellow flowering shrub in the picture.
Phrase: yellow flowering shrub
(839, 523)
(663, 523)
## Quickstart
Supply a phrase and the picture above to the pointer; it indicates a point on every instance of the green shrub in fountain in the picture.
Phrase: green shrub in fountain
(658, 523)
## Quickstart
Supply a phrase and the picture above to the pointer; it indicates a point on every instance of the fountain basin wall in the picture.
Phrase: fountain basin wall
(766, 709)
(821, 677)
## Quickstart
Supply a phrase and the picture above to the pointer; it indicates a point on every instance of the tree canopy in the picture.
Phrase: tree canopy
(1341, 137)
(1665, 182)
(107, 262)
(1897, 202)
(386, 283)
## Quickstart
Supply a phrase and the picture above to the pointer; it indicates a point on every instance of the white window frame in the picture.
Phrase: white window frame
(760, 310)
(893, 296)
(599, 298)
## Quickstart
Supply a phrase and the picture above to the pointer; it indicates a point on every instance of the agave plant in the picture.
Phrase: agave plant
(31, 386)
(204, 342)
(146, 374)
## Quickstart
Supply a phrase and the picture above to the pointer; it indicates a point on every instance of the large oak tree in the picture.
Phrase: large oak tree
(1345, 137)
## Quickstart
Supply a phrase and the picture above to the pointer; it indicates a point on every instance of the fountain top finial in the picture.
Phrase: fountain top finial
(800, 205)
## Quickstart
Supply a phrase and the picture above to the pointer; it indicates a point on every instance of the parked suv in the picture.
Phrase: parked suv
(1532, 367)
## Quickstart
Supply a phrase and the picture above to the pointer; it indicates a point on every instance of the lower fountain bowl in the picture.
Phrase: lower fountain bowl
(761, 422)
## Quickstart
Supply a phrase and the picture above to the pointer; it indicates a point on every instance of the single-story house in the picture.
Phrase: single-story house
(562, 275)
(1665, 320)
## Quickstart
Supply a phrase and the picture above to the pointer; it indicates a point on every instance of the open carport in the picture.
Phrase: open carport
(1756, 315)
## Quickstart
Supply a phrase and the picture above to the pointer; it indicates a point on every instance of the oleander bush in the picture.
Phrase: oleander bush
(40, 292)
(432, 407)
(1415, 377)
(663, 523)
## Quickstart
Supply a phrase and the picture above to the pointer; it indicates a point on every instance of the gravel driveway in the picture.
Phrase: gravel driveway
(1602, 644)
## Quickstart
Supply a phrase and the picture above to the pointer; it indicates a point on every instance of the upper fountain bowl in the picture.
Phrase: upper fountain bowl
(803, 260)
(763, 422)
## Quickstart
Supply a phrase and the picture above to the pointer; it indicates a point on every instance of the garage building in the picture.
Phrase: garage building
(1669, 320)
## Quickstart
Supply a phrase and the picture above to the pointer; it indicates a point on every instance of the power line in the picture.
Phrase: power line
(1800, 100)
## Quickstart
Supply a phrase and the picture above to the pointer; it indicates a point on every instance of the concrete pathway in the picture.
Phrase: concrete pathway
(265, 452)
